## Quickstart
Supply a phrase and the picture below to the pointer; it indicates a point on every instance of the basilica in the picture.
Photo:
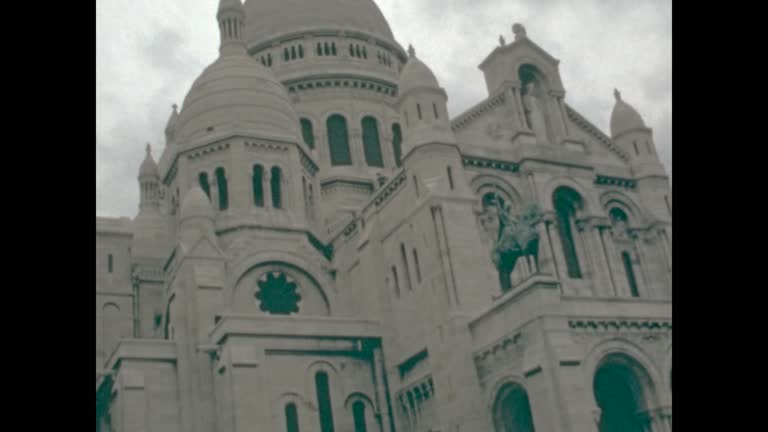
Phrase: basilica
(321, 247)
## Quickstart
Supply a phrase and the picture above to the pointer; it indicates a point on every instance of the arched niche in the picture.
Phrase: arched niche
(359, 409)
(511, 409)
(589, 205)
(279, 288)
(614, 199)
(624, 393)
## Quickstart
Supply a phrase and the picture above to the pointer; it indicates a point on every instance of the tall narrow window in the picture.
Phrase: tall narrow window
(338, 140)
(397, 141)
(221, 182)
(634, 143)
(203, 178)
(258, 185)
(357, 51)
(371, 144)
(293, 53)
(418, 110)
(351, 50)
(307, 133)
(416, 265)
(567, 201)
(285, 54)
(358, 413)
(630, 274)
(269, 59)
(365, 53)
(324, 402)
(110, 263)
(395, 281)
(434, 109)
(416, 186)
(450, 177)
(404, 257)
(319, 49)
(333, 48)
(291, 418)
(275, 180)
(301, 51)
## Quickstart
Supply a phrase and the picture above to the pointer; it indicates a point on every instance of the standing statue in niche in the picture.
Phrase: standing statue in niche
(517, 238)
(534, 115)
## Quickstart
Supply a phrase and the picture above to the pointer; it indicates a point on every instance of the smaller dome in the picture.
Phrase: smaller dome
(196, 204)
(624, 117)
(416, 74)
(148, 168)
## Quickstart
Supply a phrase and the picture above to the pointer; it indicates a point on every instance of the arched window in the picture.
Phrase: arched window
(319, 49)
(110, 263)
(269, 59)
(301, 51)
(291, 418)
(338, 140)
(630, 274)
(371, 144)
(324, 402)
(285, 54)
(357, 51)
(395, 281)
(307, 133)
(333, 48)
(221, 182)
(416, 265)
(327, 50)
(258, 185)
(620, 221)
(203, 178)
(365, 53)
(512, 410)
(622, 388)
(397, 141)
(275, 180)
(293, 53)
(351, 50)
(358, 413)
(567, 203)
(404, 257)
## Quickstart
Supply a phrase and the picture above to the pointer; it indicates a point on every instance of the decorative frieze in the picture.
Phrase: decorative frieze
(491, 163)
(389, 189)
(268, 146)
(357, 83)
(208, 149)
(615, 181)
(506, 353)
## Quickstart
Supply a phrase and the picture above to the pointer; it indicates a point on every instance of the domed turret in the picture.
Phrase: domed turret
(148, 168)
(423, 105)
(236, 91)
(624, 117)
(196, 205)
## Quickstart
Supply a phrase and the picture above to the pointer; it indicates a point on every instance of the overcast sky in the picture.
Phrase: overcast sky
(148, 53)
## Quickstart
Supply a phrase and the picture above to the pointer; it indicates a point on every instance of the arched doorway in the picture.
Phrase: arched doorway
(623, 391)
(512, 410)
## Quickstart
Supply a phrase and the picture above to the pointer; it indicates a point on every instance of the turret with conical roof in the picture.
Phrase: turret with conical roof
(630, 132)
(149, 182)
(231, 17)
(423, 105)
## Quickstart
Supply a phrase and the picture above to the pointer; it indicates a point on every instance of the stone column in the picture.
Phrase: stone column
(266, 186)
(616, 266)
(519, 108)
(546, 257)
(213, 186)
(602, 284)
(561, 269)
(602, 230)
(356, 147)
(512, 95)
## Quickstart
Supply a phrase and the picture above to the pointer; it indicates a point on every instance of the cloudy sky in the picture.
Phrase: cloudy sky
(149, 52)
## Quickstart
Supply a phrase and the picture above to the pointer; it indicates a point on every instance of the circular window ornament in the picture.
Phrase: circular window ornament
(278, 294)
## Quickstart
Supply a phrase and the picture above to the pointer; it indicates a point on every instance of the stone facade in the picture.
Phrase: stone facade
(313, 249)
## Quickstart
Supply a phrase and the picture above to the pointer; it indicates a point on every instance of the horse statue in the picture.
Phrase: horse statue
(517, 238)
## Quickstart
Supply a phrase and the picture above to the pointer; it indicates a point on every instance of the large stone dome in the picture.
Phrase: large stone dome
(236, 91)
(266, 19)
